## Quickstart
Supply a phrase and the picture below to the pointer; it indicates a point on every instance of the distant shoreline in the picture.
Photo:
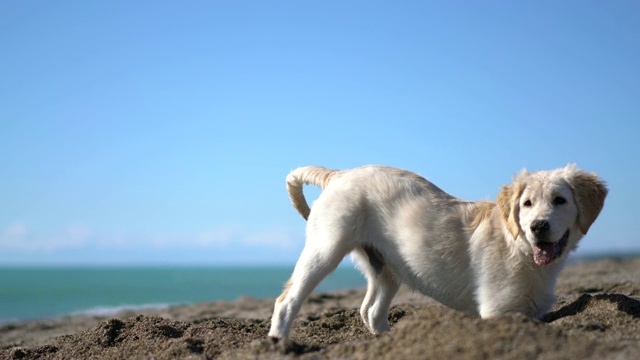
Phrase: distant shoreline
(596, 256)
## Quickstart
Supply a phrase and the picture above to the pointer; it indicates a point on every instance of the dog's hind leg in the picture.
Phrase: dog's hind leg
(382, 286)
(314, 264)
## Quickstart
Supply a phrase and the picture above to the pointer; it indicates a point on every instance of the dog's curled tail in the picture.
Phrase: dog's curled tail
(316, 175)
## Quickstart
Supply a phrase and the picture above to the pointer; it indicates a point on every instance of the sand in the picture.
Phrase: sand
(597, 316)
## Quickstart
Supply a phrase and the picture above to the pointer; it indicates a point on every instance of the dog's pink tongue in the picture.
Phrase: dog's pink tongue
(544, 253)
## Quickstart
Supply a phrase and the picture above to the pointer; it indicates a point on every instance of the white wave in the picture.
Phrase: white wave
(112, 310)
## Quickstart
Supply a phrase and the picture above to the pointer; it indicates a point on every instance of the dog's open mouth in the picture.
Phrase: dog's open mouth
(545, 252)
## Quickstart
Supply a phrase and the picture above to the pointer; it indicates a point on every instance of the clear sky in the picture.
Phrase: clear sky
(161, 132)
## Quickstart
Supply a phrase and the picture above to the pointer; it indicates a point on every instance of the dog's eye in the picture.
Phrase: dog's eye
(527, 203)
(559, 200)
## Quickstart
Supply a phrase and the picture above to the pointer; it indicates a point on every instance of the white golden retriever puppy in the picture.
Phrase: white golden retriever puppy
(477, 257)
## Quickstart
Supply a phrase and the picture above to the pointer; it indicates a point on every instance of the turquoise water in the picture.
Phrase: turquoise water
(40, 293)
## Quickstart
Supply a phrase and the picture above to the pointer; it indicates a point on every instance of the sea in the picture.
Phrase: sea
(40, 293)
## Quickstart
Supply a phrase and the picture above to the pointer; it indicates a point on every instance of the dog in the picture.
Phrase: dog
(481, 257)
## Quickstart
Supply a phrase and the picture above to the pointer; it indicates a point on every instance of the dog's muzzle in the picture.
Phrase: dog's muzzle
(544, 252)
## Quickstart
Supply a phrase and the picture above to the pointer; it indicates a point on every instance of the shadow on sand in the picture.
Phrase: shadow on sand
(625, 304)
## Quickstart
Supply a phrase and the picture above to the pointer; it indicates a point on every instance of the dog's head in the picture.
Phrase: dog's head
(551, 210)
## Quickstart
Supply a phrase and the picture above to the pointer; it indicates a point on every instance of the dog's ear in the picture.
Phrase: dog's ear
(589, 192)
(508, 202)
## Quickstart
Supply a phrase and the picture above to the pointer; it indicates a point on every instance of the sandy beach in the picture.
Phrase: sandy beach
(597, 316)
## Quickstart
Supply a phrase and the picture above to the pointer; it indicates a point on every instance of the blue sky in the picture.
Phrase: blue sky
(161, 132)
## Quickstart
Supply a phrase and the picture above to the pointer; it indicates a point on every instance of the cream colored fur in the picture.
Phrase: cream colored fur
(477, 257)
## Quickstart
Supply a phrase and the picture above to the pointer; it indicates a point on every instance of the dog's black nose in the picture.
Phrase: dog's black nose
(540, 227)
